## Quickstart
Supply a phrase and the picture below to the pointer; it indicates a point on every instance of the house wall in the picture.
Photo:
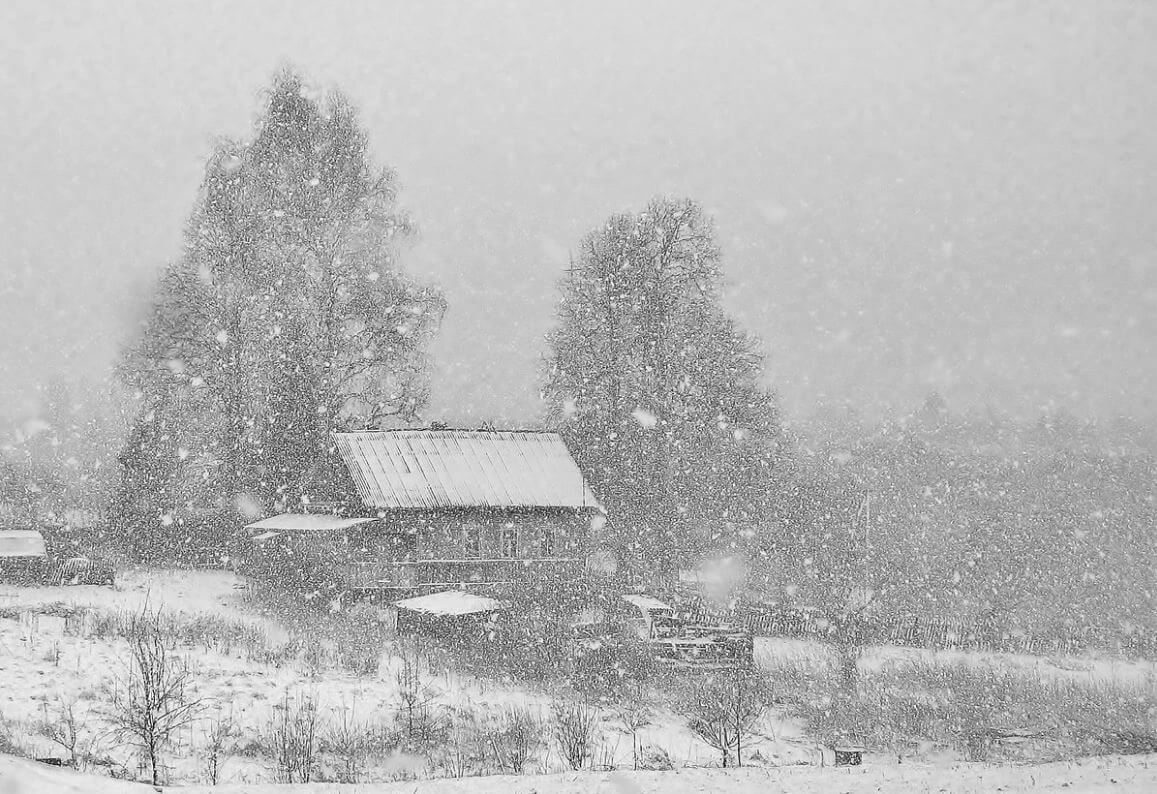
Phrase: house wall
(365, 555)
(537, 533)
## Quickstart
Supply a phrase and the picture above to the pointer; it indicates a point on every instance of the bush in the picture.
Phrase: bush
(514, 736)
(463, 750)
(347, 739)
(10, 744)
(574, 725)
(291, 739)
(653, 757)
(418, 720)
(724, 708)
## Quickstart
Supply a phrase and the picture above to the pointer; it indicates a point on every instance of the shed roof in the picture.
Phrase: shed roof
(451, 602)
(424, 469)
(304, 522)
(21, 543)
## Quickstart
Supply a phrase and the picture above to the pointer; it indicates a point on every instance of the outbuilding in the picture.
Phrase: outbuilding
(23, 557)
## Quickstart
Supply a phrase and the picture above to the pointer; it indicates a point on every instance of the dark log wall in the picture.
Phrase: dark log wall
(538, 533)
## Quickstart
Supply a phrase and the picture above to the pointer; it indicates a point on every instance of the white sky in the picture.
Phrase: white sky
(910, 196)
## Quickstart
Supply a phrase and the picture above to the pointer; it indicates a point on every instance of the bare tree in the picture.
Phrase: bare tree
(291, 739)
(634, 716)
(153, 701)
(723, 711)
(415, 695)
(220, 730)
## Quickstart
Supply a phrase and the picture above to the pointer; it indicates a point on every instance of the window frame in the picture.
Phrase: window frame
(508, 541)
(472, 540)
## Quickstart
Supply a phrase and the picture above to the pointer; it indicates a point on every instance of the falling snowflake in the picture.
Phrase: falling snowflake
(645, 418)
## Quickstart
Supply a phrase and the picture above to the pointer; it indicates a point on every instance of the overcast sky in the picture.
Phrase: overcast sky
(910, 196)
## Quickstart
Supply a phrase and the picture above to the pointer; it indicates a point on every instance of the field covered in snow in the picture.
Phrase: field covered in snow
(59, 646)
(1121, 775)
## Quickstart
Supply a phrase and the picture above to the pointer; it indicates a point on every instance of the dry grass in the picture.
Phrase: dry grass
(202, 630)
(978, 709)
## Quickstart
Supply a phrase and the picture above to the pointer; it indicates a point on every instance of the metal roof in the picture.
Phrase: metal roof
(301, 522)
(426, 469)
(452, 602)
(21, 543)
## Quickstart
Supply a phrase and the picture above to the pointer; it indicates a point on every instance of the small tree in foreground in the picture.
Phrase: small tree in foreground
(724, 709)
(220, 730)
(65, 726)
(574, 728)
(153, 701)
(292, 739)
(514, 737)
(415, 698)
(348, 738)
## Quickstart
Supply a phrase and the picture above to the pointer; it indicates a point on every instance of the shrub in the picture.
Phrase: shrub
(65, 726)
(220, 731)
(574, 725)
(724, 708)
(514, 736)
(348, 739)
(10, 744)
(291, 739)
(464, 748)
(417, 721)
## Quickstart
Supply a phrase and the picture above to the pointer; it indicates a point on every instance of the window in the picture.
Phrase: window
(472, 540)
(509, 540)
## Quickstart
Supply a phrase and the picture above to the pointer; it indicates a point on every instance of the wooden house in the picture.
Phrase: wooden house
(438, 509)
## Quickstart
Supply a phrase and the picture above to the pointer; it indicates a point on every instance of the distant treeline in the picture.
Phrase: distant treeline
(1015, 534)
(935, 634)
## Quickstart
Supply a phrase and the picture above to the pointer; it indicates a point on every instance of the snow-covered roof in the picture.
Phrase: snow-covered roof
(300, 522)
(646, 602)
(451, 602)
(21, 543)
(425, 469)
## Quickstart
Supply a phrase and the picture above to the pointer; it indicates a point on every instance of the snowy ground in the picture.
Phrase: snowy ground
(1111, 774)
(186, 591)
(41, 665)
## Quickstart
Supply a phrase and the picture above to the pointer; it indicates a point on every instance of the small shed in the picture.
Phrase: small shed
(23, 556)
(450, 612)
